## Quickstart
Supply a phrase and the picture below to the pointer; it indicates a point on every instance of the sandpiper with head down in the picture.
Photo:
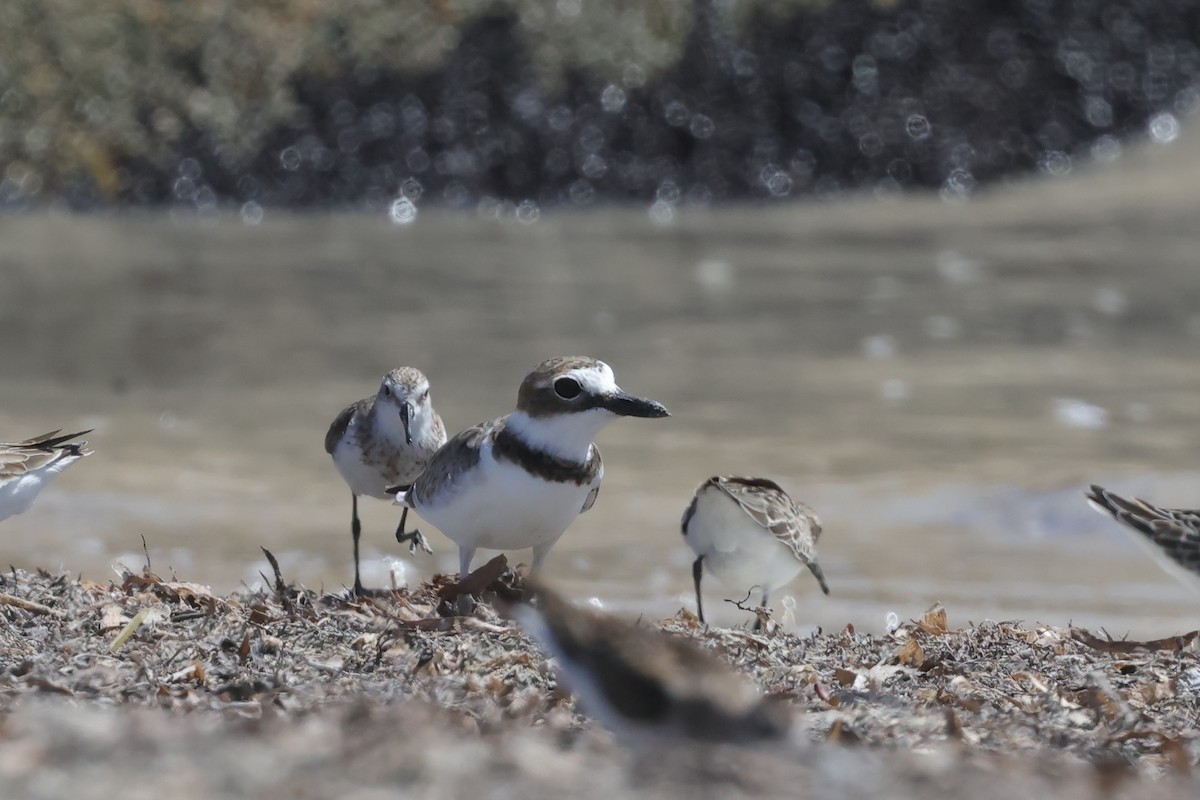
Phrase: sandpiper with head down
(384, 441)
(27, 467)
(750, 534)
(518, 481)
(1170, 535)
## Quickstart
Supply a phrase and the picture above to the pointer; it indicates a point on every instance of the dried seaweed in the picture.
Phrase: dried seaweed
(985, 692)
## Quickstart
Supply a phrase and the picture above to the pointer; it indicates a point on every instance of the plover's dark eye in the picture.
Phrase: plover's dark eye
(567, 388)
(387, 390)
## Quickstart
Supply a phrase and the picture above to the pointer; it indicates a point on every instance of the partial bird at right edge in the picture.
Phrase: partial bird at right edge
(751, 534)
(28, 467)
(1171, 535)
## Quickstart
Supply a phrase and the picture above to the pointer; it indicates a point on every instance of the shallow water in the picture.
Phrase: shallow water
(939, 381)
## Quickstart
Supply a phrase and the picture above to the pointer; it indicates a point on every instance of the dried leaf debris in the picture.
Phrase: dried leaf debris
(993, 690)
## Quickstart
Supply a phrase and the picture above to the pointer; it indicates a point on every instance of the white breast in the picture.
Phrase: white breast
(18, 494)
(499, 506)
(372, 479)
(736, 549)
(361, 479)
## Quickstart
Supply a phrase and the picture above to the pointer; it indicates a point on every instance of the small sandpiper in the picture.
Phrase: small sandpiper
(27, 467)
(1170, 535)
(384, 441)
(647, 685)
(750, 534)
(518, 481)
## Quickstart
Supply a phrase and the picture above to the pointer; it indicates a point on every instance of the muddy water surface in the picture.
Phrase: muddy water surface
(939, 381)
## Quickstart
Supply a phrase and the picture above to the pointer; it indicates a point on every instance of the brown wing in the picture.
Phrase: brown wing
(793, 523)
(342, 421)
(1175, 530)
(32, 454)
(453, 459)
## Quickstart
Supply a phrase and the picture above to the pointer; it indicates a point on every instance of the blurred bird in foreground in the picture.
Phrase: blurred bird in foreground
(646, 684)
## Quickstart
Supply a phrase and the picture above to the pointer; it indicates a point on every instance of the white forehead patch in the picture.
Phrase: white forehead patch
(596, 380)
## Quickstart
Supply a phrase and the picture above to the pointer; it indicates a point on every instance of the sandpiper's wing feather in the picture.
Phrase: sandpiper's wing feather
(792, 522)
(689, 512)
(46, 439)
(342, 421)
(594, 487)
(452, 459)
(33, 454)
(1176, 531)
(590, 500)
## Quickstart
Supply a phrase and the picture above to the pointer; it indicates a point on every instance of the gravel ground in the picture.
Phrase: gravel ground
(151, 686)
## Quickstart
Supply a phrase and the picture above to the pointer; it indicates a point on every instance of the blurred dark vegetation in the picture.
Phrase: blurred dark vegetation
(374, 103)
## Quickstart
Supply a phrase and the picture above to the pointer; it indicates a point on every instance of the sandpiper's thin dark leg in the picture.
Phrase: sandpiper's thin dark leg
(401, 536)
(355, 531)
(697, 573)
(414, 537)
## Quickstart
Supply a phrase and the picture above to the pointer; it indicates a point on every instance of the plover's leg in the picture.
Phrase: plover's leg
(465, 603)
(539, 557)
(414, 537)
(758, 620)
(355, 531)
(465, 554)
(697, 573)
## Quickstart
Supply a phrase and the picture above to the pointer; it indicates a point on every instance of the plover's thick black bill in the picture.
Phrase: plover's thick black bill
(383, 441)
(646, 684)
(751, 535)
(519, 481)
(28, 467)
(626, 405)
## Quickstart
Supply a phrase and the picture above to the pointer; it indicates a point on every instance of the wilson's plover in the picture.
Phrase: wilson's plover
(750, 534)
(518, 481)
(384, 441)
(26, 467)
(1170, 535)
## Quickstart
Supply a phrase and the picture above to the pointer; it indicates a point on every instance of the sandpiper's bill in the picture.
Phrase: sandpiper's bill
(644, 684)
(1170, 535)
(518, 481)
(750, 534)
(26, 467)
(384, 441)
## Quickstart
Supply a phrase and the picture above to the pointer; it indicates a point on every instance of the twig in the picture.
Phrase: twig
(741, 604)
(27, 605)
(128, 630)
(146, 550)
(280, 587)
(1124, 646)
